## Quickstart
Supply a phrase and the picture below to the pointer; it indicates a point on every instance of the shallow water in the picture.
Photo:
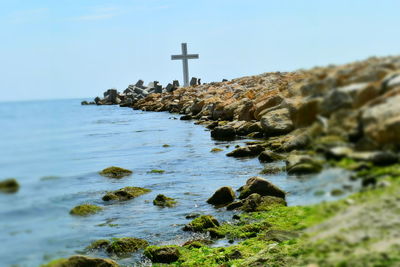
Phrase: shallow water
(56, 148)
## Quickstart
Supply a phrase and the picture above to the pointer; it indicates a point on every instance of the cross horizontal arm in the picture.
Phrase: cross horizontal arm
(179, 57)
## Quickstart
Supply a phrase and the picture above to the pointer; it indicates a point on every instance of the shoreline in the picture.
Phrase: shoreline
(342, 116)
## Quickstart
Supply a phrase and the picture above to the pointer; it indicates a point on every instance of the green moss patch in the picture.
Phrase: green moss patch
(125, 193)
(115, 172)
(164, 201)
(202, 224)
(85, 210)
(122, 247)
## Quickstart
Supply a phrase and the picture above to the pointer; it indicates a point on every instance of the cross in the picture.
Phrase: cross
(184, 57)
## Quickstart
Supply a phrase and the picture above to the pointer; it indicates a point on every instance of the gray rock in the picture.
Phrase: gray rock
(193, 81)
(277, 122)
(334, 101)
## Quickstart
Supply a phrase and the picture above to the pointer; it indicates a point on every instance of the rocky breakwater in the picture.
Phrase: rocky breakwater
(353, 105)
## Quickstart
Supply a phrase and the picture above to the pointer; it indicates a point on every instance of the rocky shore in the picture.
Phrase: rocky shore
(345, 116)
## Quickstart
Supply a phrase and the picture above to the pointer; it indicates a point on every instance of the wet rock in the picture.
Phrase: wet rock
(234, 205)
(256, 202)
(192, 215)
(247, 151)
(115, 172)
(166, 254)
(307, 112)
(260, 186)
(271, 170)
(201, 224)
(277, 122)
(125, 193)
(197, 243)
(164, 201)
(216, 149)
(80, 261)
(9, 186)
(98, 245)
(223, 133)
(123, 247)
(270, 156)
(222, 196)
(85, 210)
(186, 117)
(302, 164)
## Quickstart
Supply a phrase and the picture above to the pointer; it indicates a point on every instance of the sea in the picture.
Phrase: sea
(56, 148)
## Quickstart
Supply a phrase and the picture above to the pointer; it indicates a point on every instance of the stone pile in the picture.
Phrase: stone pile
(133, 93)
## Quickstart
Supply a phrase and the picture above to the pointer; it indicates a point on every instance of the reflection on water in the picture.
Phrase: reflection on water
(56, 148)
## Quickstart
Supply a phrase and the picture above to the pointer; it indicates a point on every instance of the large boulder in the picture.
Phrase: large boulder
(381, 123)
(307, 112)
(277, 122)
(223, 133)
(80, 261)
(222, 196)
(335, 100)
(267, 103)
(247, 151)
(302, 164)
(260, 186)
(270, 156)
(165, 254)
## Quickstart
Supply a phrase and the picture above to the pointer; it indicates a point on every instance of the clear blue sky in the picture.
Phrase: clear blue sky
(79, 48)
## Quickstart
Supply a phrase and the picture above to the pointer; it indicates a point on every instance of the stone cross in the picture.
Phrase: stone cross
(184, 57)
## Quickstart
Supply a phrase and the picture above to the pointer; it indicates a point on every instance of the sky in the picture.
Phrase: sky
(79, 48)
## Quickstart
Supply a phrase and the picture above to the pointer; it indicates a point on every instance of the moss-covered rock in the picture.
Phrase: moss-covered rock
(302, 164)
(271, 170)
(115, 172)
(80, 261)
(165, 254)
(125, 193)
(124, 246)
(85, 210)
(270, 156)
(164, 201)
(98, 244)
(222, 196)
(201, 224)
(260, 186)
(216, 149)
(255, 202)
(9, 185)
(197, 243)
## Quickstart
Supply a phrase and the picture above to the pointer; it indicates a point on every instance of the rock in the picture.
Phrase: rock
(163, 201)
(307, 112)
(248, 128)
(271, 170)
(9, 186)
(158, 89)
(192, 215)
(125, 193)
(384, 158)
(247, 151)
(270, 156)
(186, 117)
(84, 103)
(222, 196)
(123, 247)
(216, 149)
(235, 205)
(85, 210)
(82, 261)
(256, 202)
(165, 254)
(201, 224)
(98, 245)
(115, 172)
(193, 81)
(392, 80)
(265, 104)
(223, 133)
(277, 122)
(333, 101)
(139, 84)
(381, 122)
(302, 164)
(260, 186)
(338, 153)
(175, 83)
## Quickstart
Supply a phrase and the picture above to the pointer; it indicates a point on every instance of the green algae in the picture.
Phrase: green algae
(124, 246)
(164, 201)
(125, 193)
(202, 223)
(115, 172)
(85, 210)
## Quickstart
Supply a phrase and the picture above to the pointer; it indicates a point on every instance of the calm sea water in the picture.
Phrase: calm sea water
(56, 148)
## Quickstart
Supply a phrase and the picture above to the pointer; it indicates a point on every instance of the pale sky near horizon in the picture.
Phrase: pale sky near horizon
(74, 49)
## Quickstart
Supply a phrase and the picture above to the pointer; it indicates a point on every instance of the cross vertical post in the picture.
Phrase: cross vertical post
(185, 63)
